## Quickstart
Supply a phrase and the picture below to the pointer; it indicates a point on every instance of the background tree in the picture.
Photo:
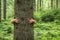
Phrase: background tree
(51, 3)
(0, 10)
(4, 9)
(59, 3)
(56, 3)
(40, 3)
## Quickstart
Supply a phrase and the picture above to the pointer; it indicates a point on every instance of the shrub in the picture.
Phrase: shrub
(47, 18)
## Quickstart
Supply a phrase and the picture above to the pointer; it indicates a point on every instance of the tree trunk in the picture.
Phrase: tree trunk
(40, 3)
(0, 10)
(23, 10)
(4, 9)
(56, 3)
(51, 3)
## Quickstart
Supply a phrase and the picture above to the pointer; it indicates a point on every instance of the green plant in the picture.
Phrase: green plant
(47, 18)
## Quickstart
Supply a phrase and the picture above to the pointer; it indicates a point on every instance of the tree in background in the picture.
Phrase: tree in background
(0, 10)
(40, 3)
(51, 3)
(4, 9)
(56, 3)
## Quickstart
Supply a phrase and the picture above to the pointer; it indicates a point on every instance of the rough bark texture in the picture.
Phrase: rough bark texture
(4, 9)
(0, 10)
(23, 10)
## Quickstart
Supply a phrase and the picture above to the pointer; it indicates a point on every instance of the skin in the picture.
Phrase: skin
(31, 20)
(16, 20)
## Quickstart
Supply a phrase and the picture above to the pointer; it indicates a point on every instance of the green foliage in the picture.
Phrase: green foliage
(6, 30)
(47, 26)
(47, 18)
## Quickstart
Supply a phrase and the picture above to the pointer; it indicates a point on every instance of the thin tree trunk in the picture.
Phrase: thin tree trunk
(23, 10)
(40, 3)
(4, 9)
(51, 3)
(0, 10)
(56, 3)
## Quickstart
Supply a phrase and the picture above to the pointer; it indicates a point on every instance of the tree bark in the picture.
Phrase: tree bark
(23, 10)
(4, 9)
(0, 10)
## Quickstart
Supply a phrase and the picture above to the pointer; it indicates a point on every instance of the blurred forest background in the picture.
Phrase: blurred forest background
(46, 14)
